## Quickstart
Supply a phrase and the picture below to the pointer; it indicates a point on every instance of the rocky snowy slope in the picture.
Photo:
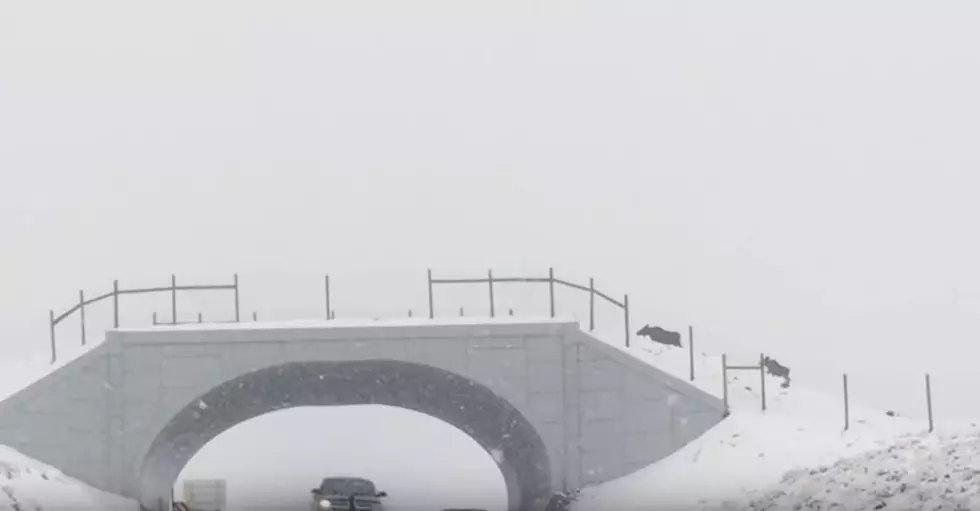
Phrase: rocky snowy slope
(935, 472)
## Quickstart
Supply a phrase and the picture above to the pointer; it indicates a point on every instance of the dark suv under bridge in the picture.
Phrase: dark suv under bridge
(336, 493)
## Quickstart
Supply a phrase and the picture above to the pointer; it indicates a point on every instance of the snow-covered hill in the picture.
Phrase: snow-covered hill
(753, 451)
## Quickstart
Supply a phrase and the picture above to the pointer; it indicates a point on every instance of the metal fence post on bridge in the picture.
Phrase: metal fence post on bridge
(173, 299)
(81, 309)
(490, 280)
(237, 306)
(115, 303)
(591, 304)
(551, 289)
(847, 405)
(432, 313)
(54, 350)
(326, 289)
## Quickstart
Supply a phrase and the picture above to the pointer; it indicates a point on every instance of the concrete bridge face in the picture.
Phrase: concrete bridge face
(555, 408)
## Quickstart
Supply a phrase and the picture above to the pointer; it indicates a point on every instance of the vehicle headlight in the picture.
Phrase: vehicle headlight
(324, 504)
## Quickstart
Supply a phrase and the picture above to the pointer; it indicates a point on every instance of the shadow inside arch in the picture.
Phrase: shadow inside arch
(489, 419)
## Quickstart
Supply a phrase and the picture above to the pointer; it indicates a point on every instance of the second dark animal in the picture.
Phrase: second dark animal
(659, 335)
(778, 370)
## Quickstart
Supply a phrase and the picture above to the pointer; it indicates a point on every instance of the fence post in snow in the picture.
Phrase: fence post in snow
(155, 318)
(762, 374)
(200, 318)
(724, 379)
(690, 348)
(626, 317)
(255, 316)
(929, 401)
(847, 406)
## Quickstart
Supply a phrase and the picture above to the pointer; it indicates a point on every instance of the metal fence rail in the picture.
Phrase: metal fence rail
(724, 376)
(173, 288)
(490, 280)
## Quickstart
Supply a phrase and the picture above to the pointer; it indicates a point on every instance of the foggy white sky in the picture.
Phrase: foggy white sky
(791, 178)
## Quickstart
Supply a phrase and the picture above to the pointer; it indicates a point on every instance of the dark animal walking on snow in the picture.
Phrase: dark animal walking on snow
(778, 370)
(659, 335)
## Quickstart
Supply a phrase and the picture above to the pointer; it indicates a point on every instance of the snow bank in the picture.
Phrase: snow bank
(937, 472)
(27, 485)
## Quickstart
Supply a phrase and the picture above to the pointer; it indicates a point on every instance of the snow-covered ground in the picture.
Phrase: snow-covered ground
(27, 485)
(752, 460)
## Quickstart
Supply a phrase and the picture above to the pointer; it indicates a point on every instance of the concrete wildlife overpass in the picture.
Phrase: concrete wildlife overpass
(555, 407)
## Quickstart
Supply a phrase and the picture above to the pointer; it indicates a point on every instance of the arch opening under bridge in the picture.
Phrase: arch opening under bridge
(490, 420)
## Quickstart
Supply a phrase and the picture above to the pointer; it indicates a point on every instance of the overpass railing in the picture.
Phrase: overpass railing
(116, 292)
(551, 281)
(490, 281)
